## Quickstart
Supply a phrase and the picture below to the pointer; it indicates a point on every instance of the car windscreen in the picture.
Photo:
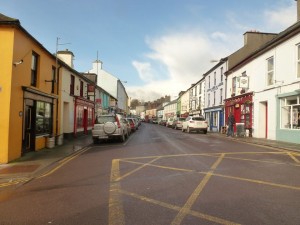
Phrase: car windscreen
(104, 119)
(181, 119)
(199, 118)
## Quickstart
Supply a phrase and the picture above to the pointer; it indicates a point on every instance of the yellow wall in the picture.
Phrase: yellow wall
(15, 45)
(6, 53)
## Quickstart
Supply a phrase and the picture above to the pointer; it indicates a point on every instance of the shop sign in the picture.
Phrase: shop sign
(244, 82)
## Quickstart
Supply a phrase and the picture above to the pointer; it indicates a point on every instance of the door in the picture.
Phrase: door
(29, 129)
(85, 121)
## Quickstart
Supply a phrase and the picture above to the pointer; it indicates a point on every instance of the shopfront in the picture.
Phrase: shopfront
(84, 115)
(215, 118)
(38, 119)
(241, 107)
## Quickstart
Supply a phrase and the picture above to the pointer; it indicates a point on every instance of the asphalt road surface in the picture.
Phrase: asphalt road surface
(163, 176)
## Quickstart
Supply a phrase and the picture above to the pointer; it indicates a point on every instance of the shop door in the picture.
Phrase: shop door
(29, 129)
(85, 121)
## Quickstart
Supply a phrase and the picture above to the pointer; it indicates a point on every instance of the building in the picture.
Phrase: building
(266, 88)
(28, 92)
(112, 85)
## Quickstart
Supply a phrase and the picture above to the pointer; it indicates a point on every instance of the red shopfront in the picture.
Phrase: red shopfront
(242, 108)
(83, 115)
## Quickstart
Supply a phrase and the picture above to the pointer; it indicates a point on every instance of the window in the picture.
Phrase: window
(290, 112)
(214, 98)
(200, 89)
(53, 79)
(221, 74)
(34, 68)
(43, 118)
(270, 71)
(195, 90)
(221, 95)
(208, 81)
(234, 85)
(215, 78)
(79, 116)
(208, 100)
(298, 61)
(72, 85)
(81, 88)
(245, 114)
(200, 102)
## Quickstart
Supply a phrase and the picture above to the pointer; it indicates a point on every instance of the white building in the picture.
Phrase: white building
(112, 85)
(170, 110)
(271, 77)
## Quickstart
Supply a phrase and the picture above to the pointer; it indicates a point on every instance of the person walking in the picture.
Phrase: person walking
(230, 123)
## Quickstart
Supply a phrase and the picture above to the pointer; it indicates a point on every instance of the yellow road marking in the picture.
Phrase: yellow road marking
(187, 206)
(293, 157)
(137, 169)
(177, 208)
(256, 181)
(63, 162)
(14, 182)
(115, 208)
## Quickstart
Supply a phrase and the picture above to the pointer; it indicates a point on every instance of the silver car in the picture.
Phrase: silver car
(110, 127)
(194, 123)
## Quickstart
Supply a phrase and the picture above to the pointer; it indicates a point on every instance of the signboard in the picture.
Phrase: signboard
(244, 82)
(91, 88)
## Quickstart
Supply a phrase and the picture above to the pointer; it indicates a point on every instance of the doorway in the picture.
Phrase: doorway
(29, 127)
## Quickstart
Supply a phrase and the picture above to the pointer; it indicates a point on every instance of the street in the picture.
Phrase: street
(163, 176)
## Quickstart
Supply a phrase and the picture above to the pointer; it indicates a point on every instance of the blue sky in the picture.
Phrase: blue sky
(160, 47)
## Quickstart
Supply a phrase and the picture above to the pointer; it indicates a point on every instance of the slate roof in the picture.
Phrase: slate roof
(8, 20)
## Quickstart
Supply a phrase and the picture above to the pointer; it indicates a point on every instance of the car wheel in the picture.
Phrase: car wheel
(122, 139)
(182, 130)
(96, 141)
(205, 131)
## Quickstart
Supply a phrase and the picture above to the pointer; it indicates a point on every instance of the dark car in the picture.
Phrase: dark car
(162, 122)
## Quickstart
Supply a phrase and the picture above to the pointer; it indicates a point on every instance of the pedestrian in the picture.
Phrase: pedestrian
(230, 123)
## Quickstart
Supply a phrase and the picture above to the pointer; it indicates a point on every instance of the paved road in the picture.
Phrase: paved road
(163, 176)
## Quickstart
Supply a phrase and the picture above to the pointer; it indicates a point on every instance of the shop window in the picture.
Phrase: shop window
(290, 113)
(215, 119)
(43, 118)
(245, 115)
(79, 116)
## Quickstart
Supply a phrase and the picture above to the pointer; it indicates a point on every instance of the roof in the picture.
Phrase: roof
(280, 38)
(8, 20)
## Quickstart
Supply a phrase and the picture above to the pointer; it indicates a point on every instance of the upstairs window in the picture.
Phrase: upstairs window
(208, 81)
(81, 88)
(215, 78)
(221, 95)
(221, 74)
(34, 68)
(234, 81)
(53, 79)
(72, 85)
(298, 61)
(270, 71)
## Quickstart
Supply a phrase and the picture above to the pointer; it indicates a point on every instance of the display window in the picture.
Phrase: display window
(290, 112)
(43, 123)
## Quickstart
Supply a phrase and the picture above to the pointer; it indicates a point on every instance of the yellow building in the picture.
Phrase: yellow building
(28, 92)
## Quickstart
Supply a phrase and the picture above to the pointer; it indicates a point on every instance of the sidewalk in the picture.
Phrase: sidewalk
(35, 164)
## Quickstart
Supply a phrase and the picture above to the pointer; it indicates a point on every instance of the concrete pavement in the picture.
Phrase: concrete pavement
(36, 164)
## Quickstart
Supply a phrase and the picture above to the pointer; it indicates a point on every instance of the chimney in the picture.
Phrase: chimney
(66, 56)
(298, 10)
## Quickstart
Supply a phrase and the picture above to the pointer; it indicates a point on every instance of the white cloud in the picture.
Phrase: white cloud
(185, 57)
(144, 70)
(281, 18)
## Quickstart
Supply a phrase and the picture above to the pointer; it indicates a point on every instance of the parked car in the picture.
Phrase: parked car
(128, 126)
(162, 122)
(177, 123)
(194, 123)
(132, 123)
(169, 122)
(109, 127)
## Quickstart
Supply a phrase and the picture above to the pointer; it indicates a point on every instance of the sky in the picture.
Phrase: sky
(157, 47)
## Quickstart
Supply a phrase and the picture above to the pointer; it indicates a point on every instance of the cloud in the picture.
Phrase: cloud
(144, 70)
(184, 57)
(280, 18)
